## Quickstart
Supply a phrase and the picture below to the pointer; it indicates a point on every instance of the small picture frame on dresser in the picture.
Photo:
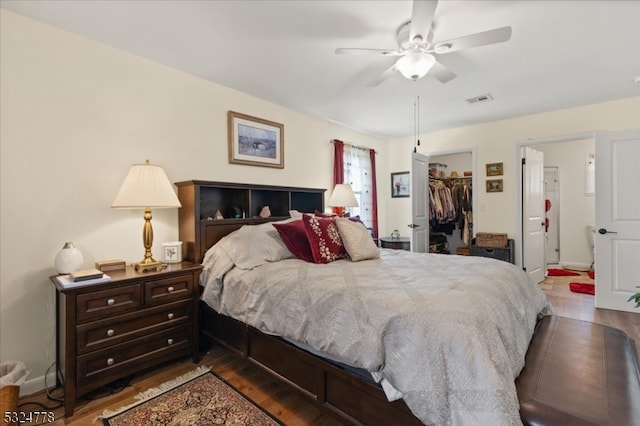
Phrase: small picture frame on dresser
(172, 252)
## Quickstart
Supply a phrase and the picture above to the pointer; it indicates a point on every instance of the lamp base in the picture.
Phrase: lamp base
(147, 265)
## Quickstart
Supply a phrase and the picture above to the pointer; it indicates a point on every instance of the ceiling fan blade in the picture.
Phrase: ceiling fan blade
(421, 18)
(441, 73)
(382, 77)
(484, 38)
(358, 51)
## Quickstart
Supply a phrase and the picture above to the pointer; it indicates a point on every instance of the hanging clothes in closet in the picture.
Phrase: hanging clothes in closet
(450, 207)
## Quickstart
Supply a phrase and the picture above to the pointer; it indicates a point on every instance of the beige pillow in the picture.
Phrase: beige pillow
(357, 240)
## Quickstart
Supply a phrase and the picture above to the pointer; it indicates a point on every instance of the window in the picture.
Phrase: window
(356, 166)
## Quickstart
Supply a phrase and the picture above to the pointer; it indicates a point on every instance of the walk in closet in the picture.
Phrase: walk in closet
(450, 203)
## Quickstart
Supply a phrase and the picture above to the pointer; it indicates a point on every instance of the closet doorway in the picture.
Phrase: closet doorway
(451, 233)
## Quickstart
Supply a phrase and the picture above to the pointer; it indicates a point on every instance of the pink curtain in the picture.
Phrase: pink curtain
(374, 194)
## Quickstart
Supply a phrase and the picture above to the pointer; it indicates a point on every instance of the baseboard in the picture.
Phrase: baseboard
(576, 266)
(37, 384)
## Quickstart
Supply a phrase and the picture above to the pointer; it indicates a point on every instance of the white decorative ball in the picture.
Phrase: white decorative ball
(68, 259)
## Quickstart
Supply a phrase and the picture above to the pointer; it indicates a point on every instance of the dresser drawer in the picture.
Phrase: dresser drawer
(168, 289)
(106, 365)
(104, 303)
(107, 332)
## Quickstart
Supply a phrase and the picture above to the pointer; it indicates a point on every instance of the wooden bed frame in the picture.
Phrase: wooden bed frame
(337, 391)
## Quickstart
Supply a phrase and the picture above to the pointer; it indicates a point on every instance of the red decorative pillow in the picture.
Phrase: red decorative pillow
(294, 236)
(324, 238)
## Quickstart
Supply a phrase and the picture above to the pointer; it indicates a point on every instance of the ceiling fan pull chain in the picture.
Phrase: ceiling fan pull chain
(418, 118)
(416, 112)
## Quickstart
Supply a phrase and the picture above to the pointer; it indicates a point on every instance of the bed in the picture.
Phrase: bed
(404, 338)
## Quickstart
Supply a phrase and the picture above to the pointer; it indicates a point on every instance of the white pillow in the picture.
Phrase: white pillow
(357, 240)
(295, 214)
(255, 245)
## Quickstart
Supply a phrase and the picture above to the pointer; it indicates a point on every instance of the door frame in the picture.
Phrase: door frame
(556, 209)
(518, 170)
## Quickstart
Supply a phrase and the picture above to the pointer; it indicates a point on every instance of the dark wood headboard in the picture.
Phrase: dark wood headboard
(239, 204)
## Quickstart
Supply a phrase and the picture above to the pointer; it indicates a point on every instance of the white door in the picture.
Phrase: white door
(552, 216)
(533, 260)
(617, 218)
(419, 203)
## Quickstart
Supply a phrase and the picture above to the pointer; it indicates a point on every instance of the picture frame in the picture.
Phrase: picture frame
(172, 252)
(494, 185)
(400, 185)
(494, 169)
(255, 141)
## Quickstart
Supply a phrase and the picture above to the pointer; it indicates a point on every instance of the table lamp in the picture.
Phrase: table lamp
(146, 186)
(342, 197)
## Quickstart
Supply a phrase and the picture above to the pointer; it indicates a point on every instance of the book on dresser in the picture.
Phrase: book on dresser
(110, 265)
(85, 274)
(67, 281)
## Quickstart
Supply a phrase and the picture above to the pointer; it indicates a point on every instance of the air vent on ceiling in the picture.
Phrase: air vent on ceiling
(482, 98)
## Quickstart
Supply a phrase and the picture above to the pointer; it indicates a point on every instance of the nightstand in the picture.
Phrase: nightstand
(110, 330)
(401, 243)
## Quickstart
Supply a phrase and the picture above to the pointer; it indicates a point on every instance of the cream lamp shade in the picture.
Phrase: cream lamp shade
(415, 65)
(343, 196)
(146, 186)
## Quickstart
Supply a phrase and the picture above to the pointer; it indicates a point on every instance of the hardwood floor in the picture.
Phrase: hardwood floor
(581, 306)
(278, 399)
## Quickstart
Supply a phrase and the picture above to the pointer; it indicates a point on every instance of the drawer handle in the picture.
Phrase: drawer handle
(170, 341)
(111, 302)
(110, 332)
(170, 316)
(110, 361)
(170, 289)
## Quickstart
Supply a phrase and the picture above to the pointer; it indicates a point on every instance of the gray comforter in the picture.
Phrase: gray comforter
(448, 333)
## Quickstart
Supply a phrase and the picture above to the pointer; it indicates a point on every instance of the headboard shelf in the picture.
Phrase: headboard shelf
(240, 204)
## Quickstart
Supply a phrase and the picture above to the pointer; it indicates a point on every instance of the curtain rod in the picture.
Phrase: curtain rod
(364, 148)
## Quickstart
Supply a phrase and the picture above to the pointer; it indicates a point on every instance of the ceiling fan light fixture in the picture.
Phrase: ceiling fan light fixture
(415, 65)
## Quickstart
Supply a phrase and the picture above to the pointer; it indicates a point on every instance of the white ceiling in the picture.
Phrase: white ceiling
(561, 54)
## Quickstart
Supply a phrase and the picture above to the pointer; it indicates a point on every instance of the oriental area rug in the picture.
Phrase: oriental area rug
(196, 398)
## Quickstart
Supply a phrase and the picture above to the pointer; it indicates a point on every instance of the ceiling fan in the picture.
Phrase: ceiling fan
(417, 50)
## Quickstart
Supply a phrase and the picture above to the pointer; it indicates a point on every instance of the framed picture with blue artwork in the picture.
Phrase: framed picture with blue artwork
(254, 141)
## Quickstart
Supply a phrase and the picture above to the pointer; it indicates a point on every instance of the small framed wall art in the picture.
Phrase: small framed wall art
(494, 185)
(254, 141)
(494, 169)
(400, 185)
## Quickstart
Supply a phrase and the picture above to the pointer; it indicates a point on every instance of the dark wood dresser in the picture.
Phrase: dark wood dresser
(110, 330)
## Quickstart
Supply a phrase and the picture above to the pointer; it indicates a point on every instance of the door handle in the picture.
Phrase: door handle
(412, 225)
(603, 231)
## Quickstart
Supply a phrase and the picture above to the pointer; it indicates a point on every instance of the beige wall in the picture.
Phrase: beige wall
(499, 141)
(75, 115)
